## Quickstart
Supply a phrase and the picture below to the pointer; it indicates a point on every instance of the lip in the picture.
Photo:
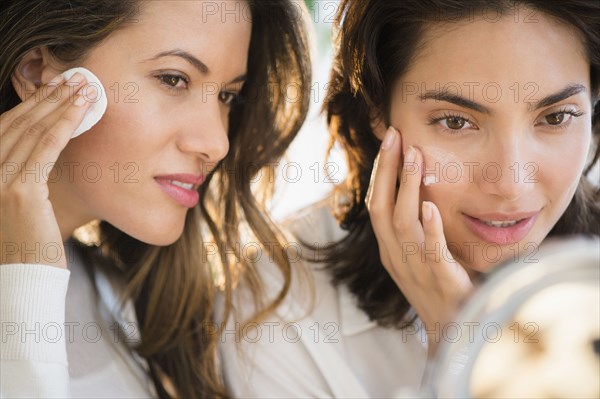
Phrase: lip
(183, 196)
(502, 235)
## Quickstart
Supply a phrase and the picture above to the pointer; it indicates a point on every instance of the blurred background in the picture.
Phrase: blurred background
(305, 176)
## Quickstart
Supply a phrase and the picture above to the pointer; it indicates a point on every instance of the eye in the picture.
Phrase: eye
(452, 123)
(555, 119)
(559, 119)
(228, 97)
(173, 82)
(455, 122)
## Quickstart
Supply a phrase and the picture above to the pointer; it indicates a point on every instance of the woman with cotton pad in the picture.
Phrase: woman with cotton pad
(114, 241)
(507, 90)
(96, 97)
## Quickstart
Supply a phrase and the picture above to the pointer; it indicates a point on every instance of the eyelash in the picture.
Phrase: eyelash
(163, 80)
(436, 119)
(563, 124)
(232, 98)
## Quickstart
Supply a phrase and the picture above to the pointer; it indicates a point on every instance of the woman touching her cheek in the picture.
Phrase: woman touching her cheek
(469, 128)
(165, 170)
(489, 152)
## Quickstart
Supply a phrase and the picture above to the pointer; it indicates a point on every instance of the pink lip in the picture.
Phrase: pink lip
(502, 235)
(183, 196)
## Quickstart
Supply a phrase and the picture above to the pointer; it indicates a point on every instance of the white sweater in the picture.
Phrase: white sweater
(58, 337)
(330, 350)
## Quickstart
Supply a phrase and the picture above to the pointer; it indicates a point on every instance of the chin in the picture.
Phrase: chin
(161, 241)
(477, 266)
(475, 261)
(154, 235)
(163, 238)
(482, 265)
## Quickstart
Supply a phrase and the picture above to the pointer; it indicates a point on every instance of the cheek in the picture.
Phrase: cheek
(122, 129)
(448, 198)
(122, 126)
(558, 172)
(446, 173)
(557, 182)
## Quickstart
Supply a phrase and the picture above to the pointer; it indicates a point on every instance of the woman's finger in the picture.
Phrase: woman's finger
(46, 148)
(46, 92)
(26, 131)
(437, 254)
(52, 142)
(382, 188)
(406, 212)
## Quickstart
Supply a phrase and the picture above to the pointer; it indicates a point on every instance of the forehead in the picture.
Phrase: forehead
(200, 15)
(216, 32)
(506, 51)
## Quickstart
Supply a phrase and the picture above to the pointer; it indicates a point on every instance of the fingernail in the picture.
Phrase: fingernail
(390, 137)
(427, 210)
(56, 80)
(410, 155)
(77, 78)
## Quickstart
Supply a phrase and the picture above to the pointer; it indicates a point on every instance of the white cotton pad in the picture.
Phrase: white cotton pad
(98, 102)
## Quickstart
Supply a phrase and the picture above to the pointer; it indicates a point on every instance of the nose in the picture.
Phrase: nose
(510, 172)
(204, 133)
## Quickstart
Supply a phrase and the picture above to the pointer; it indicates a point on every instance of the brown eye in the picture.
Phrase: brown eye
(455, 122)
(228, 98)
(171, 80)
(175, 82)
(555, 119)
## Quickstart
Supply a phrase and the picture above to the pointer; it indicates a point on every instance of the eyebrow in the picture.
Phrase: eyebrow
(454, 99)
(195, 62)
(565, 93)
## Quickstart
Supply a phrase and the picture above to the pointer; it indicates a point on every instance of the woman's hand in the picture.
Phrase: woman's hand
(32, 135)
(413, 252)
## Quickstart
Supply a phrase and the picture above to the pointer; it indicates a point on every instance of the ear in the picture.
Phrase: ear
(36, 68)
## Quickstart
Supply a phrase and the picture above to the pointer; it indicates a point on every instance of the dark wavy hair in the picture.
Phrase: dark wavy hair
(173, 287)
(375, 44)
